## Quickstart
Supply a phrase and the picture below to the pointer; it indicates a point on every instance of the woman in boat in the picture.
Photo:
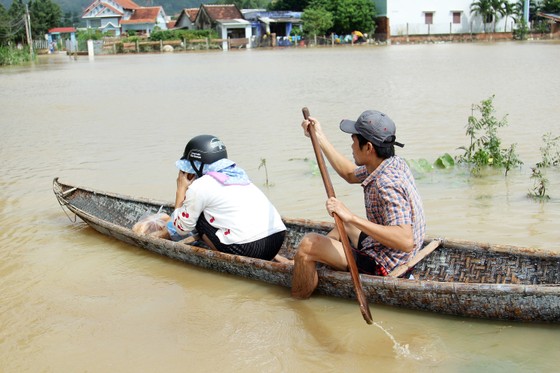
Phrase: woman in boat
(395, 225)
(216, 198)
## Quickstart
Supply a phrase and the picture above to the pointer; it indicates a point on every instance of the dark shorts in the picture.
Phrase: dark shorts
(265, 248)
(365, 263)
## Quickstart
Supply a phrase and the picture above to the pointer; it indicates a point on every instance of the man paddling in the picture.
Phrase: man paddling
(395, 225)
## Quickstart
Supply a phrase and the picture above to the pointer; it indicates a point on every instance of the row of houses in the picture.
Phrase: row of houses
(117, 17)
(396, 18)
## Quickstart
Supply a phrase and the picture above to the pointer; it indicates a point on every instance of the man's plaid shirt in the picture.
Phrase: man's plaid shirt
(391, 198)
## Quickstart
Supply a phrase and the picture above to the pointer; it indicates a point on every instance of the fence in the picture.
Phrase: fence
(117, 46)
(40, 44)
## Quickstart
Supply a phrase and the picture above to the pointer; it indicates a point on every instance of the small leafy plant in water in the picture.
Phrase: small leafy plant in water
(485, 145)
(263, 164)
(422, 166)
(445, 161)
(550, 153)
(539, 186)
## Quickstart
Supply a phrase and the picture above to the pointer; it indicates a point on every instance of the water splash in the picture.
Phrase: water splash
(401, 350)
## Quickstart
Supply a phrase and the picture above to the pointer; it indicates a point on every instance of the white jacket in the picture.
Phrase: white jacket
(242, 213)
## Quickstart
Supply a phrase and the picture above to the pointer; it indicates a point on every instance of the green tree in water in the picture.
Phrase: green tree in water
(485, 145)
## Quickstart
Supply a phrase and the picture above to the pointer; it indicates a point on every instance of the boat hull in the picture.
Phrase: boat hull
(517, 296)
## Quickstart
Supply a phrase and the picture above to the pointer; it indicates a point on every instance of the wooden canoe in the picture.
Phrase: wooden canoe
(454, 277)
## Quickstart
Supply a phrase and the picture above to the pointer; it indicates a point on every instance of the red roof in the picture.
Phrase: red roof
(62, 30)
(219, 12)
(127, 4)
(192, 13)
(143, 15)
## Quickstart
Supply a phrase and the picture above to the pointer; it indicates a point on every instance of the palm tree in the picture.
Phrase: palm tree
(483, 8)
(519, 7)
(509, 10)
(497, 11)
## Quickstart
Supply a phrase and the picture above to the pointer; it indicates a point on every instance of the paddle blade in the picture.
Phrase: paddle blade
(364, 307)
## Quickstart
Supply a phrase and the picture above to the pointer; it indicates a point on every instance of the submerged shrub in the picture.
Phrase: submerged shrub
(550, 152)
(14, 56)
(485, 148)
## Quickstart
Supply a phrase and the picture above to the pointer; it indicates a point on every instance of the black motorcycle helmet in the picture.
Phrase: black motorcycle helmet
(206, 149)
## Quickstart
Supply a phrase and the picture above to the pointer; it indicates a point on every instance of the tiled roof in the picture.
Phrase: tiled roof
(192, 13)
(127, 4)
(217, 12)
(62, 30)
(143, 15)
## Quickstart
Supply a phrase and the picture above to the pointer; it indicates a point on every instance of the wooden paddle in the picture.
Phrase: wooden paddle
(364, 308)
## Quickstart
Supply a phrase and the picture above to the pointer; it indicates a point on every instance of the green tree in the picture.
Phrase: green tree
(485, 144)
(550, 151)
(521, 30)
(348, 15)
(44, 14)
(509, 10)
(4, 23)
(483, 8)
(520, 9)
(521, 27)
(88, 34)
(550, 6)
(70, 19)
(17, 25)
(498, 11)
(316, 21)
(295, 5)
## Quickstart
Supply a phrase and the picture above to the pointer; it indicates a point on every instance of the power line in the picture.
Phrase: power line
(12, 28)
(17, 23)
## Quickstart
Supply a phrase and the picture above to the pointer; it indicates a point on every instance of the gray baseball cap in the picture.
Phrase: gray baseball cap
(374, 126)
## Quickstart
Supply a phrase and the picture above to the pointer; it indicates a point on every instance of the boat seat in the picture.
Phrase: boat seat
(421, 254)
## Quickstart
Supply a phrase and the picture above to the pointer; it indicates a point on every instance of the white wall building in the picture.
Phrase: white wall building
(432, 17)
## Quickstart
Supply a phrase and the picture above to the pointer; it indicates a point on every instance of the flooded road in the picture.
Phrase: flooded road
(74, 300)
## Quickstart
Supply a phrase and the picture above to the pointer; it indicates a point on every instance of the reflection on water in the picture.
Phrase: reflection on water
(73, 300)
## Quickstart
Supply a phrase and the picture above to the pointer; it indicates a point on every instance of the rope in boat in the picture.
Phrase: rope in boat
(61, 201)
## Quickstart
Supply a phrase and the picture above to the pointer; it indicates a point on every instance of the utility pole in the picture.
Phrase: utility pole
(27, 20)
